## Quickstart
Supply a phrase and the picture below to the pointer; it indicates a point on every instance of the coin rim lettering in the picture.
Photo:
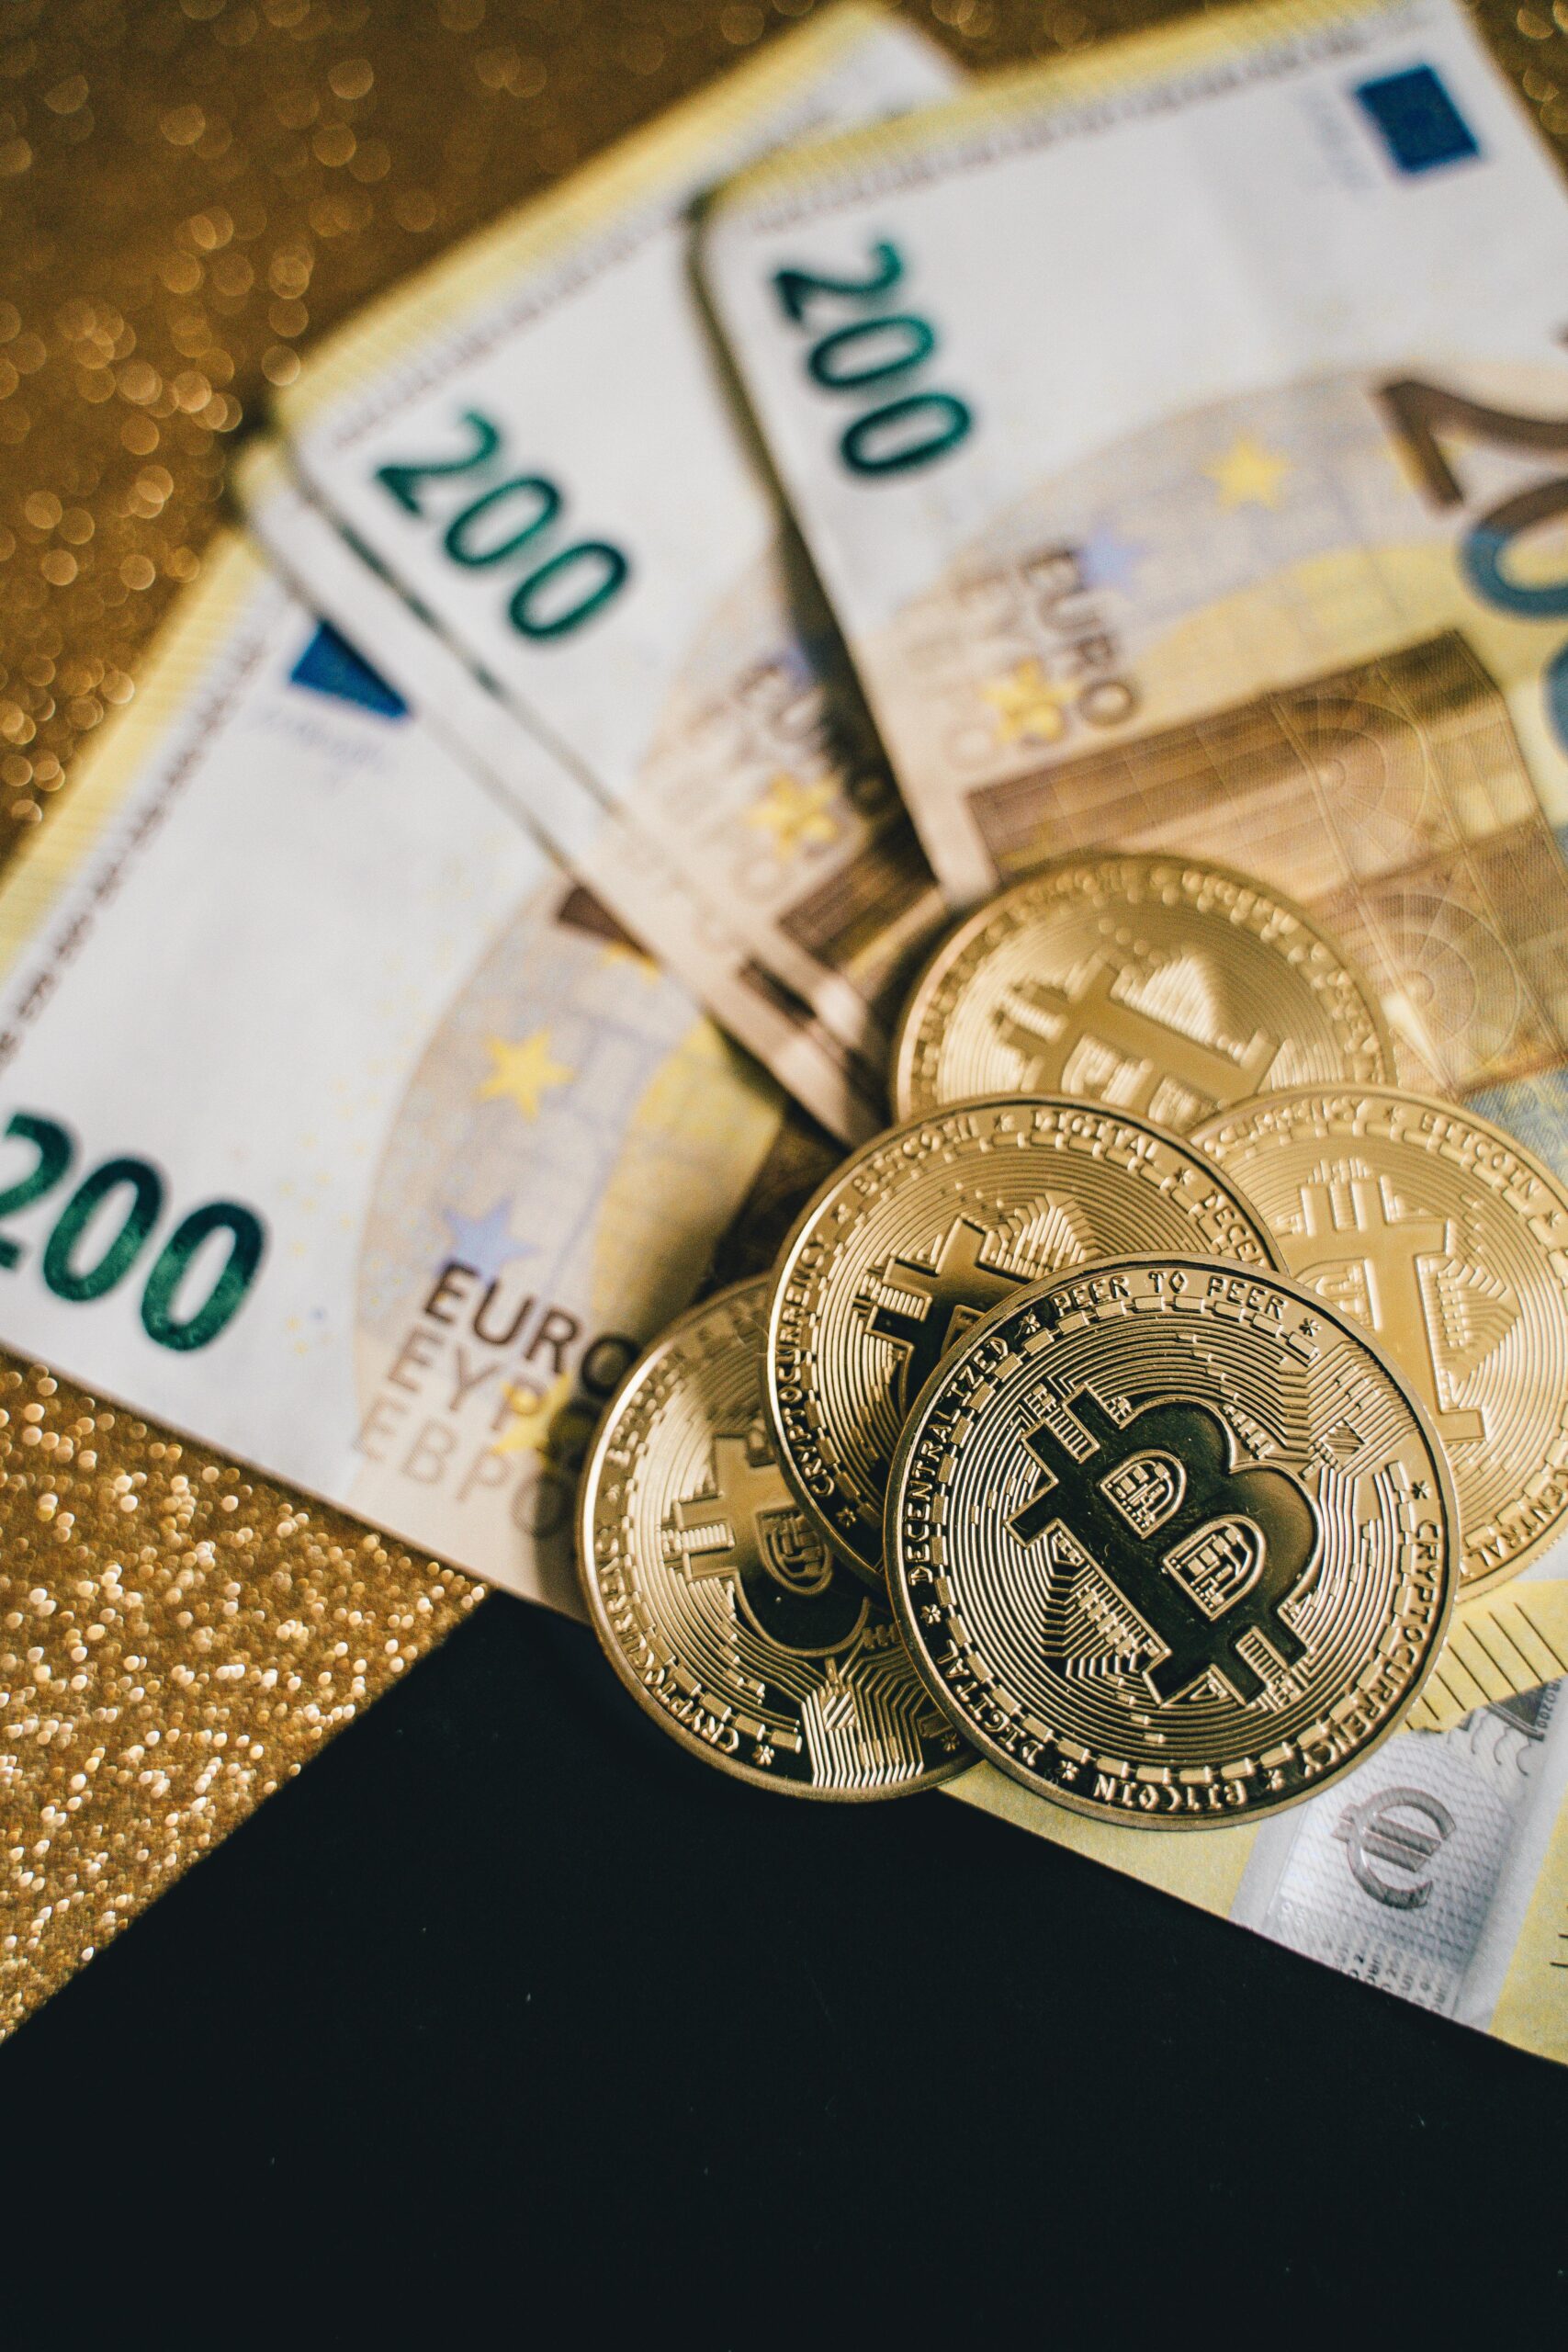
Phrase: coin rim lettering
(905, 1610)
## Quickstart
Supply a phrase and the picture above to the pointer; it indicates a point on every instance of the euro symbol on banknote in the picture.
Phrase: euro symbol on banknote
(1380, 1831)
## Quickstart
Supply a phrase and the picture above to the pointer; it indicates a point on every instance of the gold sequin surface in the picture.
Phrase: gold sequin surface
(177, 1638)
(190, 191)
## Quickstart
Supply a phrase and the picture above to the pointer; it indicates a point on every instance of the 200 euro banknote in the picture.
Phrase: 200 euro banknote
(1181, 434)
(1174, 431)
(338, 1128)
(534, 445)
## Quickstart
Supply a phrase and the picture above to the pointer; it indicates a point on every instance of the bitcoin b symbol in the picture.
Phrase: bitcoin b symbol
(786, 1581)
(1386, 1249)
(1093, 1010)
(1202, 1551)
(953, 1292)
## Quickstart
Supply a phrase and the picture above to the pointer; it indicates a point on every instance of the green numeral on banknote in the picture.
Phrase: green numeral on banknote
(81, 1262)
(55, 1152)
(403, 482)
(535, 615)
(896, 436)
(247, 1241)
(64, 1270)
(467, 545)
(507, 519)
(795, 287)
(905, 433)
(869, 352)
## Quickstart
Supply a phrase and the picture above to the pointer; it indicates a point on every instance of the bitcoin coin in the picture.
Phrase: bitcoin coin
(1163, 985)
(719, 1604)
(1450, 1243)
(1173, 1541)
(922, 1232)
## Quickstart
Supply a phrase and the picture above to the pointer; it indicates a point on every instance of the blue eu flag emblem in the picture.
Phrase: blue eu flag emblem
(330, 665)
(1419, 123)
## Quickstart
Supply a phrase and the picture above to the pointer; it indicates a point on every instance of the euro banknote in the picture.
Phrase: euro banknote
(534, 446)
(1437, 1870)
(637, 870)
(343, 1130)
(339, 1128)
(1175, 430)
(1179, 433)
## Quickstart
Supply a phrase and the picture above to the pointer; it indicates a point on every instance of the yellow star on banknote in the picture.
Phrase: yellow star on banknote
(795, 814)
(1027, 705)
(1249, 474)
(519, 1073)
(528, 1431)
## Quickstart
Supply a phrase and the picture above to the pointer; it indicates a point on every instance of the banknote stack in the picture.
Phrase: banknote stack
(1015, 632)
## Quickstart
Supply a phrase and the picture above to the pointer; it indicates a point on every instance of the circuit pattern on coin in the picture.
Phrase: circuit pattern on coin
(1173, 1541)
(717, 1603)
(1450, 1243)
(926, 1229)
(1166, 986)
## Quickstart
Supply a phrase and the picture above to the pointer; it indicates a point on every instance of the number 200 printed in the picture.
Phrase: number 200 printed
(73, 1270)
(873, 355)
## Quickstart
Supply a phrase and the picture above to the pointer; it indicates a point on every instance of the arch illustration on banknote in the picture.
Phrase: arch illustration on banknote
(1311, 667)
(592, 1134)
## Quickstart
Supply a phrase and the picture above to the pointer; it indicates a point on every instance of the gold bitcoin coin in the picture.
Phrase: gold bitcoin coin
(1163, 985)
(1174, 1541)
(921, 1233)
(1450, 1243)
(719, 1606)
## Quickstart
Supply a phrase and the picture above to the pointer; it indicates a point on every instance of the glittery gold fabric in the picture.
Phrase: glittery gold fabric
(175, 1640)
(189, 191)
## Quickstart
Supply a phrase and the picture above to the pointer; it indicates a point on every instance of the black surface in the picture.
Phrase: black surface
(509, 2015)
